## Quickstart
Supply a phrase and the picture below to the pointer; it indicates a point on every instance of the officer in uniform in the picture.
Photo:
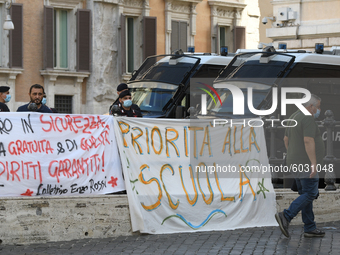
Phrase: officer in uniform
(120, 88)
(126, 107)
(5, 97)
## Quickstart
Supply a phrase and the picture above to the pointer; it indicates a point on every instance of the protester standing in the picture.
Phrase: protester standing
(36, 94)
(44, 101)
(305, 148)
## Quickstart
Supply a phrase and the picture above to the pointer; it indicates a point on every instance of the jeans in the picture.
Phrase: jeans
(308, 190)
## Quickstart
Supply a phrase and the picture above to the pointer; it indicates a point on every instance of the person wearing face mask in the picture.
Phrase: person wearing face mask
(126, 107)
(305, 151)
(120, 88)
(36, 94)
(5, 97)
(44, 100)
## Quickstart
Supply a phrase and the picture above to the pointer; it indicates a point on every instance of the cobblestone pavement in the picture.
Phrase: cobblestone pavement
(264, 240)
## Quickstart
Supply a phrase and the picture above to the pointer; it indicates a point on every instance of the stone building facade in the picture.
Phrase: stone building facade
(80, 50)
(302, 23)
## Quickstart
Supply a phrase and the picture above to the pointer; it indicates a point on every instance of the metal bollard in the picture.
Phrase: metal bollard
(329, 123)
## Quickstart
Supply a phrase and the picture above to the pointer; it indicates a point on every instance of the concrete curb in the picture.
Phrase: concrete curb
(38, 220)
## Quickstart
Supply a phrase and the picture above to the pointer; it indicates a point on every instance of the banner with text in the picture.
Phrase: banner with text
(58, 154)
(189, 175)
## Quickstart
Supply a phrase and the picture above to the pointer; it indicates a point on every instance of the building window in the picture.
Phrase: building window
(222, 37)
(60, 39)
(15, 45)
(179, 35)
(67, 38)
(63, 104)
(225, 38)
(130, 44)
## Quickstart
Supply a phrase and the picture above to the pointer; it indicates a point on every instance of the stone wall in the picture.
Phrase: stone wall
(309, 26)
(251, 21)
(39, 220)
(105, 76)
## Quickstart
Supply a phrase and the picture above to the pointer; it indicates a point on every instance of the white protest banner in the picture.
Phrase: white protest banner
(56, 154)
(187, 175)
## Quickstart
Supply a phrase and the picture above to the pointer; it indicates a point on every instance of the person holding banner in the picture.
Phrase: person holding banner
(5, 97)
(126, 107)
(36, 95)
(305, 151)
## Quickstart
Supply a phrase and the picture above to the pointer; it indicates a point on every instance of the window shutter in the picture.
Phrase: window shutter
(222, 36)
(240, 38)
(15, 37)
(83, 40)
(150, 36)
(48, 37)
(174, 35)
(123, 42)
(183, 36)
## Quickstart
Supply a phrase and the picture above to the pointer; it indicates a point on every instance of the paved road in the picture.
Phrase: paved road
(266, 240)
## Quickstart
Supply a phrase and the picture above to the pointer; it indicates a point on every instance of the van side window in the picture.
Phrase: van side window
(321, 80)
(302, 70)
(208, 71)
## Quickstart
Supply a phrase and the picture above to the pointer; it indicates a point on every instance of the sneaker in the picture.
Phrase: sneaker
(283, 223)
(315, 233)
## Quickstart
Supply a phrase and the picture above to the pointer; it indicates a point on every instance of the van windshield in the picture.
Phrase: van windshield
(169, 69)
(151, 97)
(262, 65)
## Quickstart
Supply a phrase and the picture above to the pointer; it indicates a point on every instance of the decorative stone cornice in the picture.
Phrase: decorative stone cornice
(185, 1)
(227, 4)
(227, 13)
(181, 6)
(132, 3)
(64, 4)
(107, 1)
(52, 75)
(11, 72)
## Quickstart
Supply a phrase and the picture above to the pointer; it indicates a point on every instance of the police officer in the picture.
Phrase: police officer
(5, 97)
(120, 88)
(126, 107)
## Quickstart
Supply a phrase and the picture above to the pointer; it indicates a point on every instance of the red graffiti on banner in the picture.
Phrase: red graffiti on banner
(113, 181)
(74, 123)
(75, 167)
(20, 170)
(28, 193)
(20, 147)
(87, 144)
